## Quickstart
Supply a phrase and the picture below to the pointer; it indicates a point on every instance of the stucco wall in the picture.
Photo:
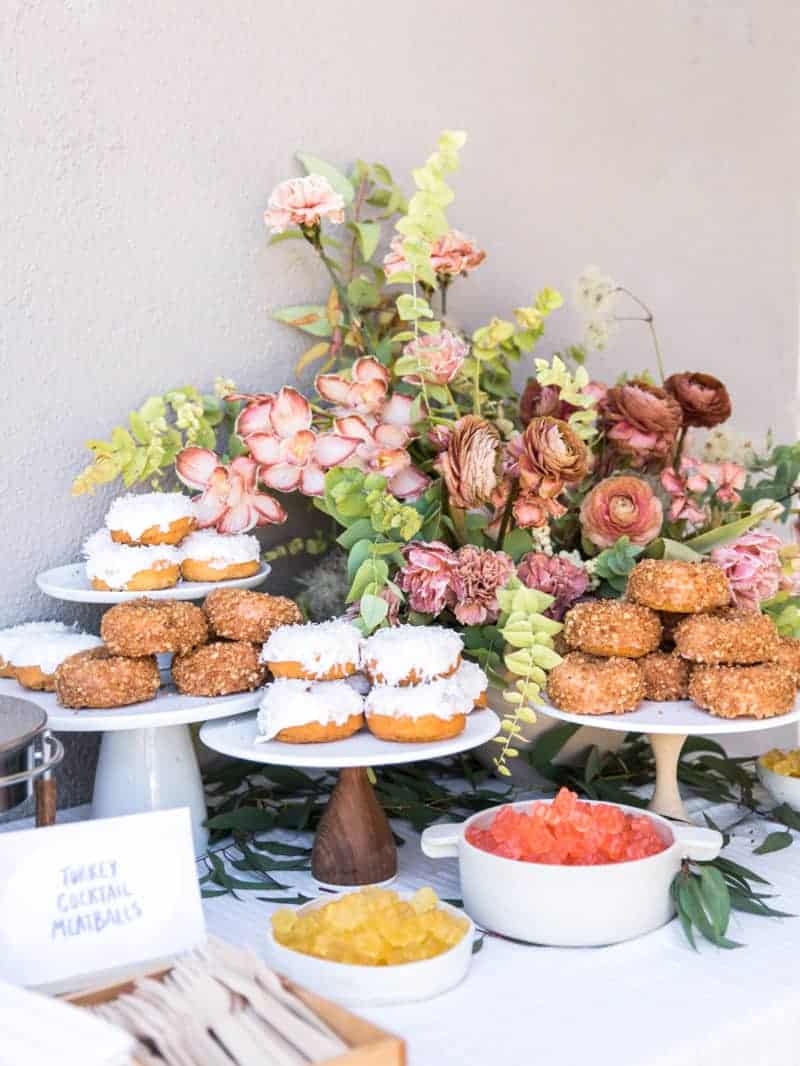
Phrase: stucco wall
(142, 137)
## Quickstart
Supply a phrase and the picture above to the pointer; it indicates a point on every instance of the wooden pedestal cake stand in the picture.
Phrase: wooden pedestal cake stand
(354, 844)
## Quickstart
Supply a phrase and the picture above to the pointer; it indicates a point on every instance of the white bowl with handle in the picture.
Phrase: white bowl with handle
(569, 906)
(782, 787)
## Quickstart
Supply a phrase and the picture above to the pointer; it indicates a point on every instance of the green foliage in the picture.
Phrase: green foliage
(782, 470)
(613, 565)
(785, 613)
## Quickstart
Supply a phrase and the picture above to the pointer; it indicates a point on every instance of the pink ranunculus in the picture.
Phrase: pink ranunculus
(427, 576)
(621, 506)
(556, 575)
(455, 253)
(441, 356)
(303, 202)
(229, 501)
(752, 565)
(363, 393)
(478, 575)
(290, 454)
(642, 422)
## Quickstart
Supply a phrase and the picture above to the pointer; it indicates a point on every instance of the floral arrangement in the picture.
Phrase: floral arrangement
(455, 497)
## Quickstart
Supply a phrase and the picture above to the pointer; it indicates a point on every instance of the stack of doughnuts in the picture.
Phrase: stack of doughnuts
(149, 541)
(413, 685)
(675, 637)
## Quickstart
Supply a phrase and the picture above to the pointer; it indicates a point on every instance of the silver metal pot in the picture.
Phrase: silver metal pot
(28, 751)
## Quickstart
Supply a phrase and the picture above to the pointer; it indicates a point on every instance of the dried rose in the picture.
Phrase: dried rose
(623, 506)
(704, 400)
(469, 463)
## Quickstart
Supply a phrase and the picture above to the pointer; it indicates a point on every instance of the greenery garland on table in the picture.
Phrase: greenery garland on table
(249, 801)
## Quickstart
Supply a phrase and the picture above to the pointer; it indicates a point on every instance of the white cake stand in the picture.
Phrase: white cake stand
(667, 726)
(71, 583)
(354, 843)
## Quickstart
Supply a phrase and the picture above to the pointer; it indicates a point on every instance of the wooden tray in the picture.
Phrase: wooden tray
(368, 1045)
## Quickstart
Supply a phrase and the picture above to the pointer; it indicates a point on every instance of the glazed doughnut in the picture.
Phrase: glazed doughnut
(11, 637)
(98, 679)
(677, 586)
(309, 712)
(136, 569)
(36, 656)
(612, 628)
(583, 684)
(152, 627)
(318, 651)
(411, 655)
(218, 669)
(151, 518)
(729, 636)
(211, 556)
(238, 614)
(666, 676)
(761, 691)
(788, 655)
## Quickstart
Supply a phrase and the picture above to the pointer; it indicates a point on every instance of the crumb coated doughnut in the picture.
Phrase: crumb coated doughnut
(670, 621)
(761, 691)
(678, 586)
(98, 679)
(238, 614)
(421, 730)
(788, 655)
(666, 676)
(218, 669)
(583, 684)
(151, 627)
(612, 628)
(731, 636)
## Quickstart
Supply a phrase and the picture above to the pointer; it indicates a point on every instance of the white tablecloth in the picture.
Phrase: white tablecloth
(650, 1002)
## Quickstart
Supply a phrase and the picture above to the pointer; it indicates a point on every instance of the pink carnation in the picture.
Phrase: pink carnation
(752, 565)
(557, 576)
(303, 202)
(427, 577)
(455, 254)
(478, 576)
(441, 356)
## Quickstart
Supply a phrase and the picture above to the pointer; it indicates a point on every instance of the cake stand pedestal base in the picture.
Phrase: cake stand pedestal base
(150, 769)
(354, 845)
(666, 796)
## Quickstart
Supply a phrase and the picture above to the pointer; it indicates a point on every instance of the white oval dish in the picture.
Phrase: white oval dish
(374, 986)
(71, 583)
(782, 788)
(569, 906)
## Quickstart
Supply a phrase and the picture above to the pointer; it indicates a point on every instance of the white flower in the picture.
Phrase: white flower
(598, 334)
(223, 387)
(595, 293)
(540, 535)
(728, 447)
(771, 509)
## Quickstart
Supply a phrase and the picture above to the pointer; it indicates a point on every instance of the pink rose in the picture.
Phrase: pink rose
(557, 576)
(441, 355)
(478, 575)
(303, 202)
(622, 506)
(752, 565)
(455, 254)
(427, 577)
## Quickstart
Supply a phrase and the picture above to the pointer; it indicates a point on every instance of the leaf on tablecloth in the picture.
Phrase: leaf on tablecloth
(774, 842)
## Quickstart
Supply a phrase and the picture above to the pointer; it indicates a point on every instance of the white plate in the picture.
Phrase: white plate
(71, 583)
(681, 717)
(168, 708)
(362, 986)
(237, 737)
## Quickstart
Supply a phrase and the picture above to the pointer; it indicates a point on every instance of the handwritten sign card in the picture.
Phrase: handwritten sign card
(92, 897)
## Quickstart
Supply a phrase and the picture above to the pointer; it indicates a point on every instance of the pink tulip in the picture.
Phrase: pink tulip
(229, 500)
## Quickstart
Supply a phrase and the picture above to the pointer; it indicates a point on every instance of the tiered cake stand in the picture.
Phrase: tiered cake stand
(667, 726)
(147, 760)
(354, 843)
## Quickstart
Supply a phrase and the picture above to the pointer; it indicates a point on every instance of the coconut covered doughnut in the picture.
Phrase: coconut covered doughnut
(678, 586)
(218, 669)
(11, 637)
(211, 556)
(36, 657)
(666, 676)
(151, 518)
(761, 691)
(411, 655)
(238, 614)
(612, 628)
(730, 636)
(583, 684)
(151, 627)
(136, 569)
(321, 651)
(435, 710)
(309, 712)
(100, 680)
(788, 655)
